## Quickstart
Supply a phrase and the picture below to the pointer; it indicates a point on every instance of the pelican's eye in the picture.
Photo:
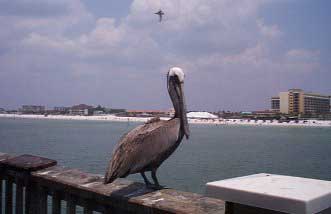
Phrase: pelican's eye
(178, 72)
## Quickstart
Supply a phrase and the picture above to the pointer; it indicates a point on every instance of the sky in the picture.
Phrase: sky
(236, 54)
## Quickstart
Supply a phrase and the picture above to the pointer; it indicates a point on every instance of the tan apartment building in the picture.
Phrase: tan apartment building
(296, 101)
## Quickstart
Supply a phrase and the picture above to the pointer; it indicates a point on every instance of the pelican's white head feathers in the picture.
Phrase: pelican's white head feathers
(175, 71)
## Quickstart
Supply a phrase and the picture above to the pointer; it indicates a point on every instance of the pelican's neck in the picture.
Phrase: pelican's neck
(174, 99)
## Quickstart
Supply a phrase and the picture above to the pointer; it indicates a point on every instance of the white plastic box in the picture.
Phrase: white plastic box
(275, 192)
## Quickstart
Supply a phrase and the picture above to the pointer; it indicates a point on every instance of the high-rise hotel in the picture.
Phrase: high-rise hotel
(296, 101)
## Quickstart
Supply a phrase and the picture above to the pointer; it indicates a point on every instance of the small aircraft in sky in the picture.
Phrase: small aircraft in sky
(160, 13)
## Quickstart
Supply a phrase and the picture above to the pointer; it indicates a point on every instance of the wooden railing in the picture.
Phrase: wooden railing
(32, 184)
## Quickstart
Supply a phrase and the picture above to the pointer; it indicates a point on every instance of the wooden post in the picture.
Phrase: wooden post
(9, 196)
(23, 165)
(3, 157)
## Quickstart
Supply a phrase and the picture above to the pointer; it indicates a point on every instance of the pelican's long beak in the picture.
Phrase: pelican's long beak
(183, 111)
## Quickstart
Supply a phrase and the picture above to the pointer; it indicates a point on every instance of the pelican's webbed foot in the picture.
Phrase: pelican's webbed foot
(156, 187)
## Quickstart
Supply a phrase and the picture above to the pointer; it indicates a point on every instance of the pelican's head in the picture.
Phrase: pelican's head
(175, 81)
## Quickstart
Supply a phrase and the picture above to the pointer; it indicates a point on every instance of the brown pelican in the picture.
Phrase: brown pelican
(146, 147)
(160, 13)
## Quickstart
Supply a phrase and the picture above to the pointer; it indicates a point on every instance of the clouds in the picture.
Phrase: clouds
(33, 9)
(63, 41)
(303, 55)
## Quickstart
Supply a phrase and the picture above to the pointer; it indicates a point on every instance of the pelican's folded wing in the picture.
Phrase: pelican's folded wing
(143, 147)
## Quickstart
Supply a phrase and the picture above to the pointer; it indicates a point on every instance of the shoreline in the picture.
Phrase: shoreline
(113, 118)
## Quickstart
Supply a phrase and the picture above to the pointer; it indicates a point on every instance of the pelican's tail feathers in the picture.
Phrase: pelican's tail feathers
(112, 173)
(109, 178)
(115, 170)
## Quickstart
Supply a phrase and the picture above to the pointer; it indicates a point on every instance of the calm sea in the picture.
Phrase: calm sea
(212, 153)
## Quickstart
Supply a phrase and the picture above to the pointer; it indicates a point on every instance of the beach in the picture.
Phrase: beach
(219, 121)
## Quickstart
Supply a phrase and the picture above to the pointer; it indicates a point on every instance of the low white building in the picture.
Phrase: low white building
(201, 115)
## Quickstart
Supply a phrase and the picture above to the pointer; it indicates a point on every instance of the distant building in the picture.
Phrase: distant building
(147, 113)
(114, 111)
(171, 112)
(81, 109)
(2, 111)
(96, 112)
(275, 104)
(32, 109)
(61, 110)
(201, 115)
(296, 101)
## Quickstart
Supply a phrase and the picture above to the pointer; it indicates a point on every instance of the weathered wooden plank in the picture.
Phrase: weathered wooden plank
(19, 197)
(4, 156)
(28, 163)
(9, 196)
(71, 204)
(126, 195)
(56, 203)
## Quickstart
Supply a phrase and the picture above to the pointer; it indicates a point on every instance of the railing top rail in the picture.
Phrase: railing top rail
(4, 156)
(28, 163)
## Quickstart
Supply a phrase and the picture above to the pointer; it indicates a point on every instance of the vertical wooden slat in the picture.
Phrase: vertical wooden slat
(108, 210)
(27, 198)
(31, 198)
(0, 194)
(19, 197)
(9, 196)
(42, 193)
(87, 208)
(228, 208)
(71, 204)
(56, 203)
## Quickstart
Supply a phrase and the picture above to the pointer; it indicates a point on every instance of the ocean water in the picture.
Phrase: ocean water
(212, 152)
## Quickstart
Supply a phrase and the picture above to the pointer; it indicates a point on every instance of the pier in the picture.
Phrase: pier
(32, 184)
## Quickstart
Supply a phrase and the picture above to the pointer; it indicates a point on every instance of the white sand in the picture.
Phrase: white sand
(307, 123)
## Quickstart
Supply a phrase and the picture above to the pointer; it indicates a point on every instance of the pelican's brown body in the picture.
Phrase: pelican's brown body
(144, 148)
(147, 146)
